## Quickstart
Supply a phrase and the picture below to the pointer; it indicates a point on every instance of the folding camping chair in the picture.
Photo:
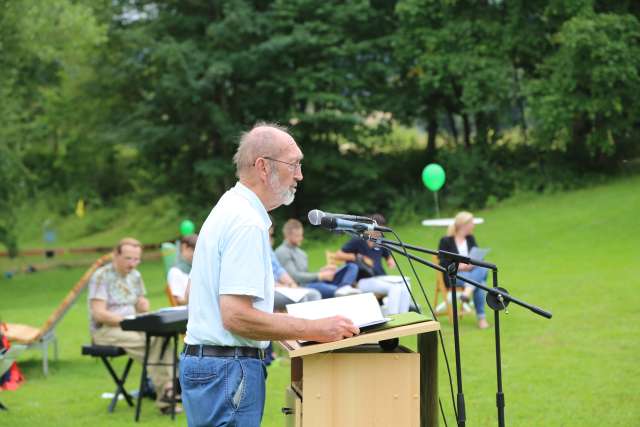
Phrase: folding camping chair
(30, 336)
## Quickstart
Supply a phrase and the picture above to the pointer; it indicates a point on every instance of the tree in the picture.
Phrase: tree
(189, 77)
(43, 63)
(15, 179)
(453, 61)
(585, 99)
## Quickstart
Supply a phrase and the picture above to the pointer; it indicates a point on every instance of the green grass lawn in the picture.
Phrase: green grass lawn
(574, 254)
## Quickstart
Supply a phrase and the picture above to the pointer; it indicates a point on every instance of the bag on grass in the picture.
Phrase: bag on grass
(13, 377)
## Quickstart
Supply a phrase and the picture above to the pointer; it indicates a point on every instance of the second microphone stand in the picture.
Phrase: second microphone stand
(497, 298)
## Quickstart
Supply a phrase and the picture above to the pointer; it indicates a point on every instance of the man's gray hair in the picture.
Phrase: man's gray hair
(258, 142)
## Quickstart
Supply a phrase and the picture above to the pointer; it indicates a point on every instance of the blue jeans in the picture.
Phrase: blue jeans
(345, 275)
(222, 391)
(477, 274)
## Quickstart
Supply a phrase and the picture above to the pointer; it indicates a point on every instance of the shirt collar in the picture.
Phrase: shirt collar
(244, 191)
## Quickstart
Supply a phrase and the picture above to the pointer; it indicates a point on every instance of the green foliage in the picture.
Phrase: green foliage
(475, 177)
(14, 179)
(45, 59)
(585, 99)
(201, 82)
(454, 62)
(110, 99)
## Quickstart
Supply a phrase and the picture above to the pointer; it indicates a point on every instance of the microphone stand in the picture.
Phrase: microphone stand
(389, 245)
(498, 293)
(497, 298)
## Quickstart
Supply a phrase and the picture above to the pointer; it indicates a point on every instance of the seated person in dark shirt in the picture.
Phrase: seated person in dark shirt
(460, 240)
(369, 256)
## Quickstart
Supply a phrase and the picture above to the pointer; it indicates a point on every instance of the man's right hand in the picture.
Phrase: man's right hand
(334, 329)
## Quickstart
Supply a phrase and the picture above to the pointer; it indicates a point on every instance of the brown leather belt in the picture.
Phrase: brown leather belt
(223, 351)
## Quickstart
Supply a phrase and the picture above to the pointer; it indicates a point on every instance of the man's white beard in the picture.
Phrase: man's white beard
(287, 195)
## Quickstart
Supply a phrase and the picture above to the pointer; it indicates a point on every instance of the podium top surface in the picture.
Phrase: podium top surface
(295, 349)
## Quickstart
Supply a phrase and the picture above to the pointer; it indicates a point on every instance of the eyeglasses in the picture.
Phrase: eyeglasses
(293, 166)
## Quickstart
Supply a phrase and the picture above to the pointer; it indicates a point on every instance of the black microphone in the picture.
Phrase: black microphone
(341, 222)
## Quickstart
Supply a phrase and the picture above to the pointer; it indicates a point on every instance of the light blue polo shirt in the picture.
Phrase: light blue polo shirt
(232, 257)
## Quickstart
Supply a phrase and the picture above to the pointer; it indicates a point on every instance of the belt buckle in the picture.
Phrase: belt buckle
(260, 353)
(193, 350)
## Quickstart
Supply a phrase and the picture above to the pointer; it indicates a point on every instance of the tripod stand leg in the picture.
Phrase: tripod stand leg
(499, 393)
(451, 278)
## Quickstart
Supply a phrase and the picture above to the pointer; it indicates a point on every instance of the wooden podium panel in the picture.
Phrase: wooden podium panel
(354, 383)
(362, 390)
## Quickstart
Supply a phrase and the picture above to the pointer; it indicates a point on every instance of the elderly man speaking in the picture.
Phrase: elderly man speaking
(231, 314)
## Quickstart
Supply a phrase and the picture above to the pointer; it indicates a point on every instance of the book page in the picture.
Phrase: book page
(362, 309)
(294, 294)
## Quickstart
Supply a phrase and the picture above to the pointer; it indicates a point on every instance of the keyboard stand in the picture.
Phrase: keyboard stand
(143, 376)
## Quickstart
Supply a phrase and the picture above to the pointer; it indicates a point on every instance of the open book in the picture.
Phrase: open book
(362, 309)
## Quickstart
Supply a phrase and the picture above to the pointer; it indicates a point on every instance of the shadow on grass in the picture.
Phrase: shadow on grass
(32, 368)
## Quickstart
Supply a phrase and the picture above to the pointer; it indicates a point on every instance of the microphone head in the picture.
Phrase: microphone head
(315, 216)
(329, 222)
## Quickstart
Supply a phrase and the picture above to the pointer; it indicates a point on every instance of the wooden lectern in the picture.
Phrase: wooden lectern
(354, 382)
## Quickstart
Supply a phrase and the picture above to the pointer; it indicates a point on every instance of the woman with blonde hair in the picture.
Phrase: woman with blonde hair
(460, 240)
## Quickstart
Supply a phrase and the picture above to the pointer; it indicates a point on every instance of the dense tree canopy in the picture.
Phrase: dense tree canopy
(104, 98)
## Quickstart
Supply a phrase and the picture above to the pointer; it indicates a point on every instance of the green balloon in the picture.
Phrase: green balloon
(187, 227)
(433, 176)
